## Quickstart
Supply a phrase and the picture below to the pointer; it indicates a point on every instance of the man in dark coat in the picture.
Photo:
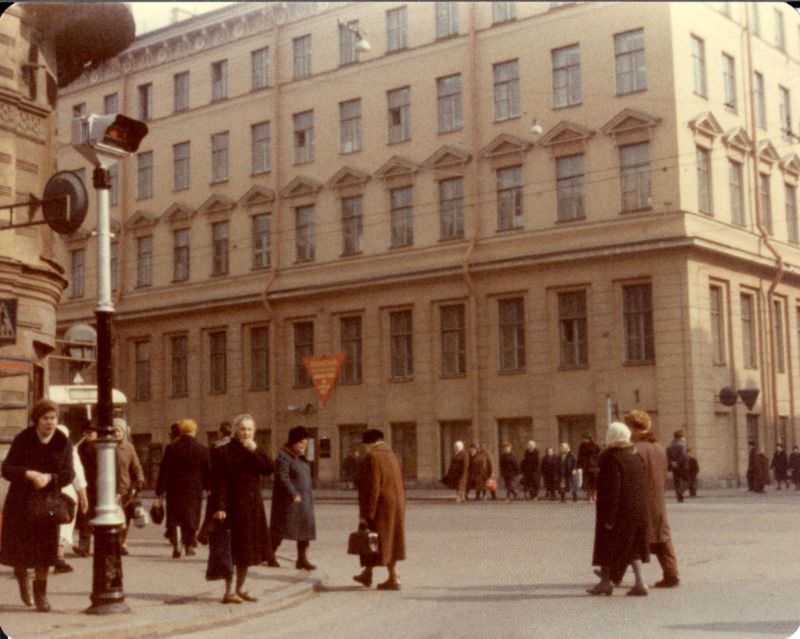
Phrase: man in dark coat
(694, 471)
(381, 508)
(530, 470)
(551, 473)
(751, 465)
(509, 471)
(480, 470)
(588, 452)
(568, 483)
(458, 472)
(760, 471)
(794, 465)
(678, 462)
(780, 466)
(88, 454)
(183, 476)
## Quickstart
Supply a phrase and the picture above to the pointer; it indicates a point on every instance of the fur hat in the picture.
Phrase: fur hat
(638, 420)
(187, 427)
(618, 434)
(372, 435)
(297, 434)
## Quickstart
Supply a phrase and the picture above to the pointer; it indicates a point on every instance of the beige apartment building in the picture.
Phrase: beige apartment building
(513, 218)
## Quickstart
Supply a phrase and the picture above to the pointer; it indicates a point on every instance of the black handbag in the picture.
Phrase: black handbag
(363, 542)
(48, 507)
(156, 513)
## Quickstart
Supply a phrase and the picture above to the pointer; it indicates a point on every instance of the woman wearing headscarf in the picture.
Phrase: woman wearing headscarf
(39, 460)
(620, 536)
(76, 491)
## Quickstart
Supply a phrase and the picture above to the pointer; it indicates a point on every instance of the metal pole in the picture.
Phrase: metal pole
(107, 593)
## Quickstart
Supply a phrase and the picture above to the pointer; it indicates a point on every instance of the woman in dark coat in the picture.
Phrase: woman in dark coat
(760, 471)
(588, 452)
(780, 465)
(40, 459)
(551, 472)
(182, 476)
(236, 494)
(530, 470)
(620, 536)
(292, 510)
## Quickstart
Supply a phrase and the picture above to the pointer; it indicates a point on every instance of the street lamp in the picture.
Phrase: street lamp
(362, 44)
(102, 139)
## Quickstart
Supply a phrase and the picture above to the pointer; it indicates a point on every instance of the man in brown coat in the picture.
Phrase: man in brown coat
(655, 471)
(381, 508)
(458, 472)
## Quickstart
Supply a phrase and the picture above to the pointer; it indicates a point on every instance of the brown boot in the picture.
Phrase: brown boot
(40, 595)
(24, 585)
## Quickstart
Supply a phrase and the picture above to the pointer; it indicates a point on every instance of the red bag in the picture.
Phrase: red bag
(491, 485)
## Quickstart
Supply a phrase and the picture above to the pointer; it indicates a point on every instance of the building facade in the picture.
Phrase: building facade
(486, 279)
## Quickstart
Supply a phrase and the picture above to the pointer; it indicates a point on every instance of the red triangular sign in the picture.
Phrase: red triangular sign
(324, 371)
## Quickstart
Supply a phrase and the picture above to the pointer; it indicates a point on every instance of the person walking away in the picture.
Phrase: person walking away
(381, 508)
(480, 470)
(530, 470)
(780, 466)
(509, 470)
(568, 464)
(654, 458)
(760, 471)
(182, 478)
(678, 462)
(130, 477)
(77, 492)
(588, 452)
(751, 466)
(292, 500)
(458, 472)
(694, 471)
(88, 456)
(39, 461)
(621, 536)
(794, 465)
(551, 473)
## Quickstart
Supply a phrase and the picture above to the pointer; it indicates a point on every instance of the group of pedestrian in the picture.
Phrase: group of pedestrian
(783, 466)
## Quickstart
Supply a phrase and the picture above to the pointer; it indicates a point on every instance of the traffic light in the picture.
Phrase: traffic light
(113, 135)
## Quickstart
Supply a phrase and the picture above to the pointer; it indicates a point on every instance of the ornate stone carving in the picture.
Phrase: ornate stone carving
(30, 124)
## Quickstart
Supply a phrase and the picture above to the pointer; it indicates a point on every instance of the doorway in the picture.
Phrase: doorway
(571, 429)
(404, 445)
(517, 432)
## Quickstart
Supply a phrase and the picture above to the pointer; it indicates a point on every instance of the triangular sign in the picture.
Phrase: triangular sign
(324, 371)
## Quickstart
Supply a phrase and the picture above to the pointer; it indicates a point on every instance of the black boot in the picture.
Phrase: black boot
(302, 560)
(40, 595)
(24, 585)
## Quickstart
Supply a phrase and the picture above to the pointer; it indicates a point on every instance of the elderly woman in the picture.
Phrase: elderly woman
(458, 471)
(237, 469)
(620, 536)
(292, 512)
(77, 492)
(40, 459)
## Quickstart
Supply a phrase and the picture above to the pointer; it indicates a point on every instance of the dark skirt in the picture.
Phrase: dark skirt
(220, 559)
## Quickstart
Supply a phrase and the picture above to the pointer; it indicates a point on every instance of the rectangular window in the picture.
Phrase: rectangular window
(635, 176)
(180, 166)
(705, 200)
(144, 261)
(506, 90)
(303, 347)
(780, 34)
(509, 198)
(451, 209)
(261, 150)
(351, 347)
(304, 233)
(747, 303)
(113, 176)
(786, 113)
(218, 361)
(397, 29)
(352, 225)
(219, 80)
(503, 11)
(571, 195)
(219, 239)
(699, 66)
(449, 102)
(454, 340)
(141, 356)
(111, 104)
(259, 358)
(573, 333)
(303, 137)
(399, 104)
(766, 201)
(262, 238)
(259, 68)
(301, 55)
(637, 306)
(566, 76)
(78, 111)
(114, 265)
(446, 19)
(180, 91)
(144, 175)
(348, 38)
(77, 272)
(350, 126)
(401, 339)
(219, 157)
(717, 325)
(179, 349)
(791, 214)
(735, 180)
(512, 334)
(180, 256)
(402, 217)
(145, 92)
(629, 61)
(777, 322)
(729, 82)
(761, 100)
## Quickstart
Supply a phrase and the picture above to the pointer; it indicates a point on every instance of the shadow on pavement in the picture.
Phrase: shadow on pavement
(783, 628)
(504, 588)
(496, 598)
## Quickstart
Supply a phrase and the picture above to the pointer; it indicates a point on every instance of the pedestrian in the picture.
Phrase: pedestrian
(174, 435)
(39, 461)
(77, 492)
(588, 452)
(568, 465)
(794, 464)
(551, 473)
(760, 471)
(780, 466)
(182, 478)
(224, 431)
(530, 470)
(237, 469)
(350, 468)
(509, 470)
(654, 458)
(751, 466)
(130, 477)
(381, 508)
(292, 500)
(620, 537)
(88, 456)
(678, 462)
(480, 470)
(458, 471)
(694, 471)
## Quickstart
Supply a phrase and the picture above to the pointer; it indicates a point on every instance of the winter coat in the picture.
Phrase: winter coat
(23, 544)
(622, 507)
(509, 466)
(694, 467)
(130, 476)
(457, 473)
(794, 464)
(568, 464)
(780, 464)
(382, 502)
(480, 469)
(678, 457)
(183, 475)
(236, 489)
(350, 467)
(588, 453)
(654, 458)
(551, 472)
(760, 471)
(292, 520)
(530, 467)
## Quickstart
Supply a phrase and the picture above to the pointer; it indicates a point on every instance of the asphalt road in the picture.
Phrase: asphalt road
(519, 571)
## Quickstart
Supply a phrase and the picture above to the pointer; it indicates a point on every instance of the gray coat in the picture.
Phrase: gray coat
(292, 520)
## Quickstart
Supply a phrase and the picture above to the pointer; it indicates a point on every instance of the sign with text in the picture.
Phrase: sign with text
(323, 370)
(8, 321)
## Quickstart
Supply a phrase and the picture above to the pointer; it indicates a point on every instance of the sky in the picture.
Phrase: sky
(154, 15)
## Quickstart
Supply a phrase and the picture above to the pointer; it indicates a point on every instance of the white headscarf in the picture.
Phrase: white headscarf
(618, 434)
(458, 447)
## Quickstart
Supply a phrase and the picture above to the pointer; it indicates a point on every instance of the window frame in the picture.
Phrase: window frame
(401, 342)
(749, 335)
(635, 170)
(301, 349)
(304, 251)
(716, 305)
(262, 241)
(217, 362)
(699, 78)
(181, 166)
(350, 126)
(736, 187)
(179, 365)
(303, 154)
(567, 184)
(351, 336)
(260, 148)
(77, 271)
(259, 358)
(566, 77)
(449, 105)
(573, 337)
(446, 14)
(506, 90)
(181, 86)
(220, 248)
(144, 97)
(141, 370)
(451, 209)
(395, 104)
(705, 184)
(397, 33)
(144, 261)
(401, 217)
(790, 197)
(453, 340)
(220, 157)
(510, 196)
(181, 255)
(259, 68)
(219, 80)
(642, 351)
(633, 57)
(144, 175)
(352, 209)
(511, 356)
(301, 57)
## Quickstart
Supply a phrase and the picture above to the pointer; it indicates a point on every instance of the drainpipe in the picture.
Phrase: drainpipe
(122, 200)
